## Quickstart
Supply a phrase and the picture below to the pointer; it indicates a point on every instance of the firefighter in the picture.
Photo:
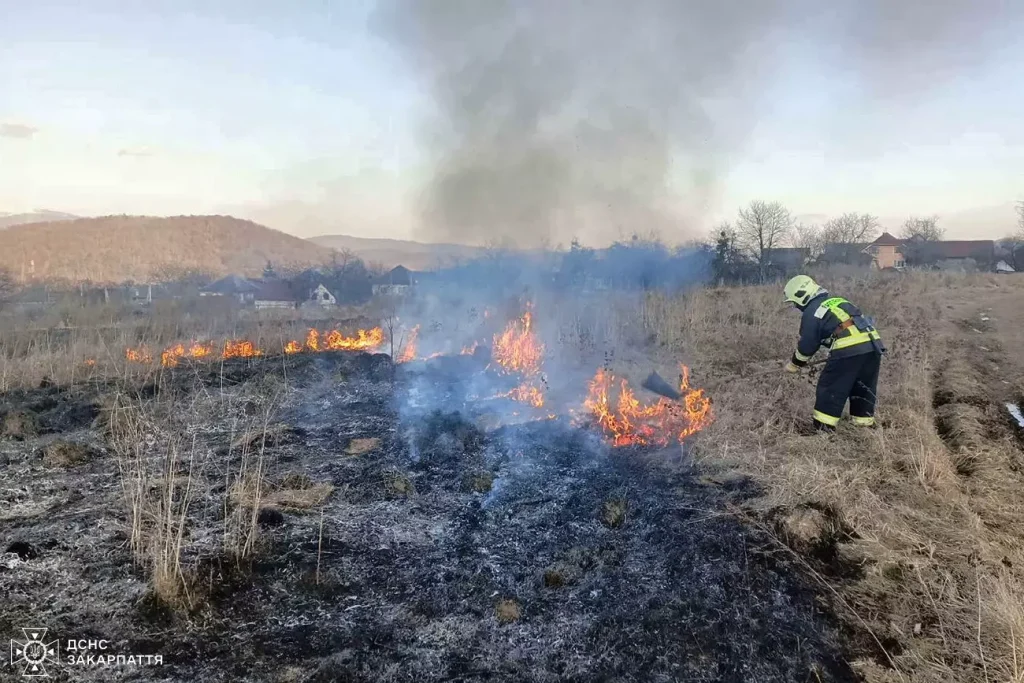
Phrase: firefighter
(855, 353)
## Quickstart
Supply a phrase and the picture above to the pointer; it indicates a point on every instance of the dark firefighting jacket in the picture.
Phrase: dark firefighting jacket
(839, 326)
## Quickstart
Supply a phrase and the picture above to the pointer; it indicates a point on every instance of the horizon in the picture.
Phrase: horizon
(316, 120)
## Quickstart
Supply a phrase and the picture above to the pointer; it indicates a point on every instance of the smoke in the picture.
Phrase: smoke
(603, 118)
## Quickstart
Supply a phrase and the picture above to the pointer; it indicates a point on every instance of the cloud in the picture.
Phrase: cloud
(135, 152)
(17, 130)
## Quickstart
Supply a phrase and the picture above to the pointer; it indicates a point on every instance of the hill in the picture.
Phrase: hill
(118, 248)
(390, 252)
(9, 219)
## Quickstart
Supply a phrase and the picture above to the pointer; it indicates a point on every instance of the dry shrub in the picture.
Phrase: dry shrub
(358, 447)
(299, 499)
(398, 483)
(479, 482)
(67, 454)
(613, 512)
(19, 425)
(259, 436)
(507, 611)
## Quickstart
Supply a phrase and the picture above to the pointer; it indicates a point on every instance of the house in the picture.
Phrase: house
(397, 282)
(852, 253)
(233, 286)
(891, 252)
(273, 293)
(886, 252)
(321, 296)
(966, 253)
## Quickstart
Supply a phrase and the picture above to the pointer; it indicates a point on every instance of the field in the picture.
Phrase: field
(484, 507)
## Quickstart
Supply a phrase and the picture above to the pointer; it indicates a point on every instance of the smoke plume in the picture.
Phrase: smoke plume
(604, 118)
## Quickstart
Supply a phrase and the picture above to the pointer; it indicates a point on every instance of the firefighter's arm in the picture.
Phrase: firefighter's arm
(810, 341)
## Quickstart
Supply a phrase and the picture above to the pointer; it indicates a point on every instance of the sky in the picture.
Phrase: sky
(304, 116)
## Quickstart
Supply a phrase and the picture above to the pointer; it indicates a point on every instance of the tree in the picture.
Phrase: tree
(921, 236)
(7, 287)
(1012, 247)
(811, 238)
(922, 229)
(761, 227)
(728, 263)
(843, 236)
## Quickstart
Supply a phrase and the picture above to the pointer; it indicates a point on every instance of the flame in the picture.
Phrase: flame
(527, 392)
(139, 354)
(363, 341)
(313, 340)
(409, 352)
(240, 349)
(90, 362)
(469, 350)
(517, 348)
(628, 422)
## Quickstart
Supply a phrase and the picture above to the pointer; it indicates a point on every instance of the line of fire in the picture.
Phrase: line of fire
(516, 352)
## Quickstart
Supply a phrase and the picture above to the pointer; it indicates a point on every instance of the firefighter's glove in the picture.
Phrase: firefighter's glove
(791, 368)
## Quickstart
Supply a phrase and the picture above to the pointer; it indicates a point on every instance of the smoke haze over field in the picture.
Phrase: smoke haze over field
(606, 117)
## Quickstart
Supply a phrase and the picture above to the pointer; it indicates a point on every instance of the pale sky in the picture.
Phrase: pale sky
(296, 114)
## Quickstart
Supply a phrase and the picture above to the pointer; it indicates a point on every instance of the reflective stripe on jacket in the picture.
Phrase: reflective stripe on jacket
(835, 323)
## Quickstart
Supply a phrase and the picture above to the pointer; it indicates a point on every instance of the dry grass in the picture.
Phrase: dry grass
(357, 447)
(932, 501)
(507, 611)
(73, 343)
(66, 454)
(167, 488)
(19, 425)
(613, 512)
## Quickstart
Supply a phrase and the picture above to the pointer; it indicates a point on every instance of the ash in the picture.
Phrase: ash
(458, 545)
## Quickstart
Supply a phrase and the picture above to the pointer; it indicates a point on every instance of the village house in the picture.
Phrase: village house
(892, 252)
(273, 294)
(397, 282)
(232, 286)
(322, 297)
(886, 252)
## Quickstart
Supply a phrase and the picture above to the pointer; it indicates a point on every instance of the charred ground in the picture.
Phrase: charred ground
(392, 544)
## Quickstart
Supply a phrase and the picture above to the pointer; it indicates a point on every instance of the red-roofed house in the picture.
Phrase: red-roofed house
(886, 252)
(890, 252)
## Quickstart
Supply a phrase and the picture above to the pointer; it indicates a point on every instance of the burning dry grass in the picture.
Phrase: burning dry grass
(931, 564)
(627, 421)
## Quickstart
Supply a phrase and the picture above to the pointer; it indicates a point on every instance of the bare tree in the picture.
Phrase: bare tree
(844, 235)
(389, 305)
(761, 227)
(921, 236)
(1011, 248)
(922, 229)
(809, 237)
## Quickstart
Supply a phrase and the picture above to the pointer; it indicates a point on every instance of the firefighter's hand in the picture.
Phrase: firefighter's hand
(791, 368)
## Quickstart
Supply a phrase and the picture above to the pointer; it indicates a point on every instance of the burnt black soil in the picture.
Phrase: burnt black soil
(607, 564)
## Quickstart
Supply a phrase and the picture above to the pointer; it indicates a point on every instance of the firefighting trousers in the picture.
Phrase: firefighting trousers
(853, 379)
